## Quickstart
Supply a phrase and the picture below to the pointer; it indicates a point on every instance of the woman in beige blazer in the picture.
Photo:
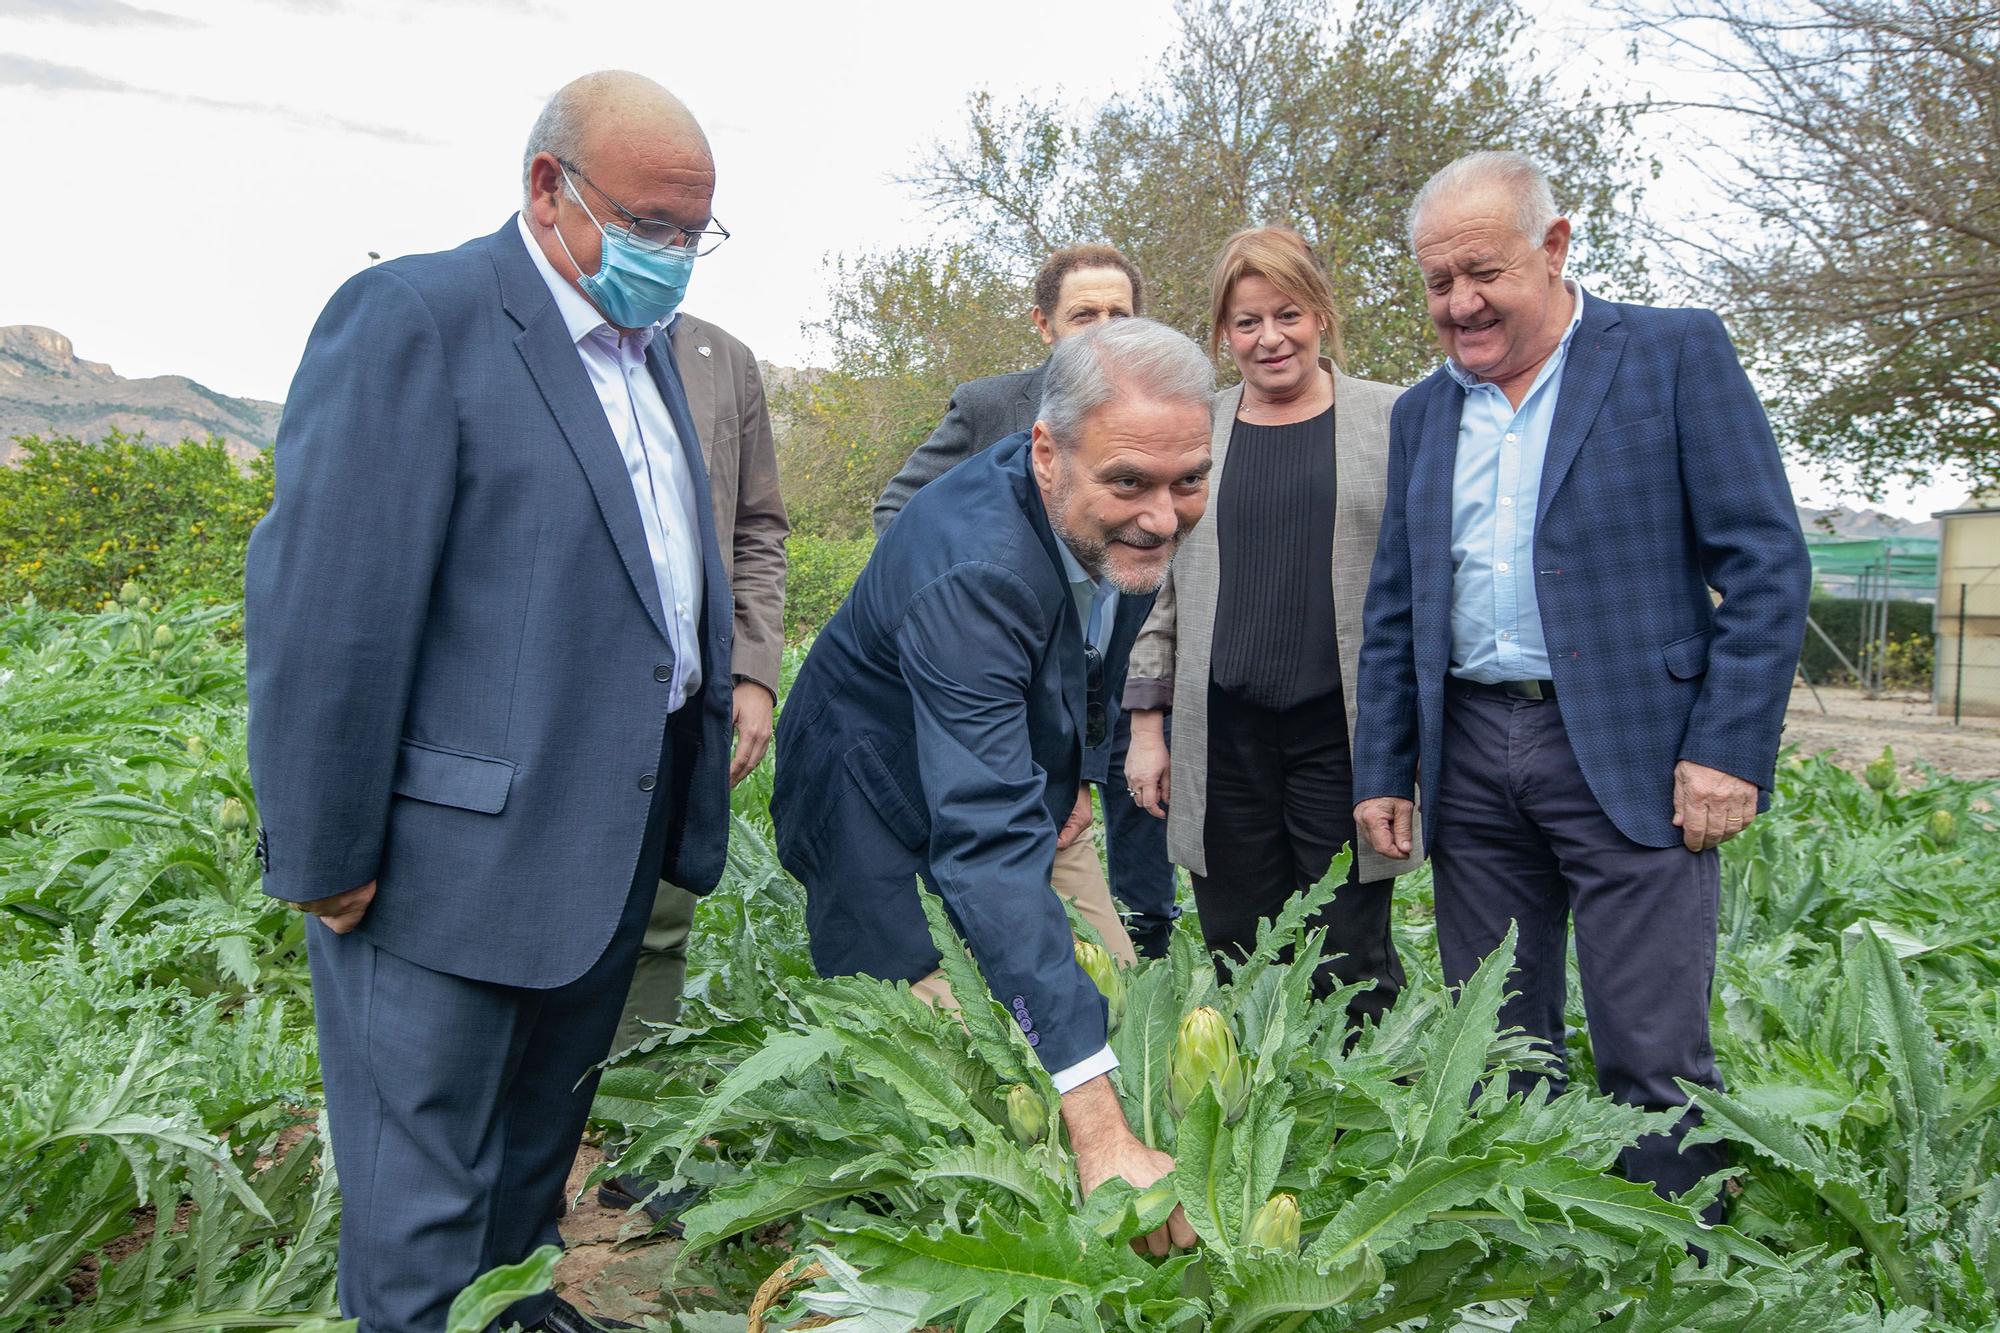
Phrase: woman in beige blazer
(1253, 646)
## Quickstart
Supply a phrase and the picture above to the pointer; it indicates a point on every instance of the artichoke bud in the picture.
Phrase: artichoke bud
(1027, 1115)
(1881, 775)
(1204, 1053)
(1943, 828)
(1276, 1225)
(1094, 960)
(163, 636)
(129, 594)
(232, 816)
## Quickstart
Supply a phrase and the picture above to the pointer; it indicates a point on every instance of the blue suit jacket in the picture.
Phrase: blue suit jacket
(936, 729)
(456, 649)
(1662, 481)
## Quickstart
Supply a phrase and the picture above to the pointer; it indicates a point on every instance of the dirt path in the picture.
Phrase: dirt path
(1856, 728)
(596, 1273)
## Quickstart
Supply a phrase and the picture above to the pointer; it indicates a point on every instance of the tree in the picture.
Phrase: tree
(1860, 251)
(905, 329)
(1268, 111)
(1265, 111)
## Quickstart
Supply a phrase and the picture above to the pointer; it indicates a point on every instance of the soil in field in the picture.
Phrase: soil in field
(598, 1274)
(613, 1267)
(1856, 728)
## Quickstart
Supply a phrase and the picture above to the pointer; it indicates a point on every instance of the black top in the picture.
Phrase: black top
(1274, 634)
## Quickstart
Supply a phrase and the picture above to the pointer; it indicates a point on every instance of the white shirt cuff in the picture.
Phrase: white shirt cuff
(1084, 1070)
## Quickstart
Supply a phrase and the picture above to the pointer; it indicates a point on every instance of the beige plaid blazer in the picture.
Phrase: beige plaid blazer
(1174, 645)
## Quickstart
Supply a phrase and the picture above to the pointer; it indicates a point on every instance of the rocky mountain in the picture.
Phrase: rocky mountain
(1860, 524)
(46, 389)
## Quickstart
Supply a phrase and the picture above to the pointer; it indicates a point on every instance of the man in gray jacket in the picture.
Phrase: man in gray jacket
(1077, 289)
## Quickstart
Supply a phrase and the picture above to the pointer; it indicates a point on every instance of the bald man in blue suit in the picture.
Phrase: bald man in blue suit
(489, 660)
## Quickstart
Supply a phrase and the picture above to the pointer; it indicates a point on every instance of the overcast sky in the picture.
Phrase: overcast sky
(195, 177)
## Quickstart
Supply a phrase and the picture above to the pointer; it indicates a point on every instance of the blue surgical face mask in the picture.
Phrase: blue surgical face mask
(635, 288)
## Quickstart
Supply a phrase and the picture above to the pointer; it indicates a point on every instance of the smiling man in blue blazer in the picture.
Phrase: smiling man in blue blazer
(488, 633)
(1542, 647)
(937, 729)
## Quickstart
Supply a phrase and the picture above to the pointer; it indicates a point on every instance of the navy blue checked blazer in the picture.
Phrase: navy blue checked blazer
(936, 729)
(457, 656)
(1662, 481)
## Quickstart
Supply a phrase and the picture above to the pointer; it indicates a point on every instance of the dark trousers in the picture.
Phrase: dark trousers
(1135, 854)
(1280, 805)
(1518, 838)
(456, 1106)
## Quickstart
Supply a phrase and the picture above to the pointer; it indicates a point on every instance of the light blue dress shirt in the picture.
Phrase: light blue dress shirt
(1096, 599)
(658, 470)
(1496, 624)
(1096, 606)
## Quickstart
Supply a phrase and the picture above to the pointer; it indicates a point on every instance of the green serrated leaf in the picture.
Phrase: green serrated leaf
(1455, 1055)
(1270, 1286)
(490, 1295)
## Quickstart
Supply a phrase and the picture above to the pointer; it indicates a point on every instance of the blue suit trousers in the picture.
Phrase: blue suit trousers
(1135, 852)
(1519, 838)
(456, 1105)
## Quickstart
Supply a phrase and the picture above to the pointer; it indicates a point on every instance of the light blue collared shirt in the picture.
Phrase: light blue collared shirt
(1096, 599)
(651, 449)
(1096, 606)
(1496, 624)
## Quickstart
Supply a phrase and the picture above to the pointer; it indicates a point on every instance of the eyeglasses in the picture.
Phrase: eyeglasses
(656, 234)
(1096, 717)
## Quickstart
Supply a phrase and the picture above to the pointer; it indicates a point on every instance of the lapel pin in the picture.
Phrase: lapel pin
(703, 349)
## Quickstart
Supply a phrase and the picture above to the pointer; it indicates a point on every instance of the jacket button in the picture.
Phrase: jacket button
(646, 782)
(663, 674)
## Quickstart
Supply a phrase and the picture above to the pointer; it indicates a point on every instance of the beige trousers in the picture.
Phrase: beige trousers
(1079, 877)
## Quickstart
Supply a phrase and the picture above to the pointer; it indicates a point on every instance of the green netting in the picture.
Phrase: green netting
(1905, 564)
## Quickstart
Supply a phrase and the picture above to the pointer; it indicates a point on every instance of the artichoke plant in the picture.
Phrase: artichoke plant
(1027, 1115)
(1104, 971)
(1205, 1053)
(1276, 1225)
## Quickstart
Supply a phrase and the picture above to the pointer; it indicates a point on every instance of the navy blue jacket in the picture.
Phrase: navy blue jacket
(1662, 481)
(456, 650)
(947, 695)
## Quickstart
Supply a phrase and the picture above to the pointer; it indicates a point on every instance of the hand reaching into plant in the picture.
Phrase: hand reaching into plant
(1385, 822)
(343, 911)
(1106, 1147)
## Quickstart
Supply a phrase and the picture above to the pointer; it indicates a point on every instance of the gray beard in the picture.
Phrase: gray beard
(1092, 552)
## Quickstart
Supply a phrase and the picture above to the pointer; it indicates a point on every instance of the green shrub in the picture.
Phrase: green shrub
(78, 520)
(822, 569)
(1840, 617)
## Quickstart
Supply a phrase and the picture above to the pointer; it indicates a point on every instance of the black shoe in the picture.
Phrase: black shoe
(566, 1318)
(628, 1192)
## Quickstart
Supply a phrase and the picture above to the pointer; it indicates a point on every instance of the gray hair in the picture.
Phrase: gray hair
(1142, 356)
(558, 132)
(1516, 173)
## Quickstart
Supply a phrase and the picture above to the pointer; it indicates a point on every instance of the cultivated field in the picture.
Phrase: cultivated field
(160, 1168)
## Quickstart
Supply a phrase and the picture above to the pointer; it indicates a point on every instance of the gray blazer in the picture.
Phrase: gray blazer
(1175, 643)
(982, 412)
(725, 395)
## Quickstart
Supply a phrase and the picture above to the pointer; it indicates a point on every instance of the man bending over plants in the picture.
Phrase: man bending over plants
(938, 726)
